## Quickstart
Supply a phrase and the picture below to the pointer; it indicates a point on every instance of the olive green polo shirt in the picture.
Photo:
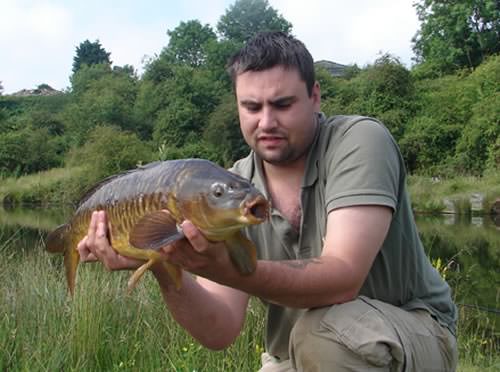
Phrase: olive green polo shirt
(353, 161)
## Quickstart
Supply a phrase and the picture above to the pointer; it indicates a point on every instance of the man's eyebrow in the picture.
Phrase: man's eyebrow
(274, 102)
(249, 102)
(282, 100)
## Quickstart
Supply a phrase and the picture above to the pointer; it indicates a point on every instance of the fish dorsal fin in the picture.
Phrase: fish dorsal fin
(89, 192)
(155, 230)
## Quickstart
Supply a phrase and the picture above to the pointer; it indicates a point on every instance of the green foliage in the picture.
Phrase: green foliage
(109, 150)
(193, 148)
(181, 104)
(457, 122)
(28, 150)
(245, 18)
(456, 34)
(218, 53)
(480, 135)
(179, 119)
(83, 79)
(383, 90)
(428, 143)
(223, 132)
(327, 83)
(187, 44)
(102, 97)
(477, 149)
(88, 53)
(445, 124)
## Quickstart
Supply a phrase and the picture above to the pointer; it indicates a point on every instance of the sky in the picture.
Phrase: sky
(38, 38)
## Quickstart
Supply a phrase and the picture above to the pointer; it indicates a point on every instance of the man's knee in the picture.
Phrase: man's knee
(350, 335)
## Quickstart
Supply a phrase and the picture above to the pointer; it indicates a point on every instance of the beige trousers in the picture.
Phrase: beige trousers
(367, 335)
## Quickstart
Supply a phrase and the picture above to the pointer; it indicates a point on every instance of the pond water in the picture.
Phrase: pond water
(468, 250)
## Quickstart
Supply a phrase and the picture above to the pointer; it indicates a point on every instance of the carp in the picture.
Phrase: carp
(145, 206)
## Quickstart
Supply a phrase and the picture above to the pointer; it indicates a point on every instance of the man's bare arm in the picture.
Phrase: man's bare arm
(354, 237)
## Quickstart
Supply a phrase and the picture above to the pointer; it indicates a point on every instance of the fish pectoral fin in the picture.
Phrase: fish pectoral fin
(242, 252)
(56, 240)
(155, 230)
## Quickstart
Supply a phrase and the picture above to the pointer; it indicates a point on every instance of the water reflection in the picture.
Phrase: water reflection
(469, 247)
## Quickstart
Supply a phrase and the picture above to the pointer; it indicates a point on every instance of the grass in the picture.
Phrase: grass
(432, 195)
(103, 329)
(54, 186)
(66, 185)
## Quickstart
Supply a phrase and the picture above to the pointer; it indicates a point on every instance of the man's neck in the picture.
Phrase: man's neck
(284, 185)
(290, 173)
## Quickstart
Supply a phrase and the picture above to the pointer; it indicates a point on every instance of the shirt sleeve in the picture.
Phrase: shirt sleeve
(364, 169)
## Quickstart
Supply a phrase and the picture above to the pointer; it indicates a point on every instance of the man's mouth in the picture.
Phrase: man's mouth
(270, 140)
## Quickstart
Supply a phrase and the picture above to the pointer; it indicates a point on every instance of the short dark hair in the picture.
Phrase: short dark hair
(269, 49)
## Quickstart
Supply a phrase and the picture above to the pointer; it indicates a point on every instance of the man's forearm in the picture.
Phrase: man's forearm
(301, 283)
(207, 318)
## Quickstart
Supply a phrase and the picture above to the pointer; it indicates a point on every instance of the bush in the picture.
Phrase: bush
(110, 150)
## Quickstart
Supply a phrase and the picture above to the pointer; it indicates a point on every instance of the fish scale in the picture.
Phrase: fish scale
(144, 207)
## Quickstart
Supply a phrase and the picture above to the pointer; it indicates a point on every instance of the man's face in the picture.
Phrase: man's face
(276, 113)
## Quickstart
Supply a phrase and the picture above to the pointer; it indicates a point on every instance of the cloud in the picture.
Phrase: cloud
(38, 39)
(31, 37)
(352, 32)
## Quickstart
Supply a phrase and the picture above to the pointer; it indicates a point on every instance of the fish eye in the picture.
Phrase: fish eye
(217, 190)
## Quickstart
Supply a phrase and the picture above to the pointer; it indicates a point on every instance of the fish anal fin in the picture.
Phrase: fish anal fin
(155, 230)
(242, 252)
(174, 272)
(132, 282)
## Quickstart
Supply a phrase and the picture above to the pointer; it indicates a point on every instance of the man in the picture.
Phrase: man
(341, 268)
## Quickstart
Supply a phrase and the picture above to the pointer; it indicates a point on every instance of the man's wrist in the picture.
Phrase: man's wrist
(163, 277)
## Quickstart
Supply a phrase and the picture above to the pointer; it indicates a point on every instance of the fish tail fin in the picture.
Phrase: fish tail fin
(242, 252)
(58, 242)
(71, 260)
(57, 239)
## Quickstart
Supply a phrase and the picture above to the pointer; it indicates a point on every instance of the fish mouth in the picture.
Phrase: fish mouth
(256, 210)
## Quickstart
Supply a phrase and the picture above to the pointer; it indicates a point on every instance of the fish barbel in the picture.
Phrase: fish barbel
(145, 206)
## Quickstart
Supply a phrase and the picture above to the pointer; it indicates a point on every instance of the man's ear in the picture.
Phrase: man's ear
(316, 96)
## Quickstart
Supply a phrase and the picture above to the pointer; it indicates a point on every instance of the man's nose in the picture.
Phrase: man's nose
(267, 119)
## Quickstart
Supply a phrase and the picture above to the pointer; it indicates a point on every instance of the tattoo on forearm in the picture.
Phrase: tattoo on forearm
(300, 264)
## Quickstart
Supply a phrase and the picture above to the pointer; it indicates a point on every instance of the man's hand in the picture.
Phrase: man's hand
(95, 246)
(198, 255)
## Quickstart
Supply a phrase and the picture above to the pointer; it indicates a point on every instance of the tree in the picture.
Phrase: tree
(88, 53)
(456, 34)
(101, 96)
(223, 131)
(1, 88)
(245, 18)
(188, 41)
(109, 150)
